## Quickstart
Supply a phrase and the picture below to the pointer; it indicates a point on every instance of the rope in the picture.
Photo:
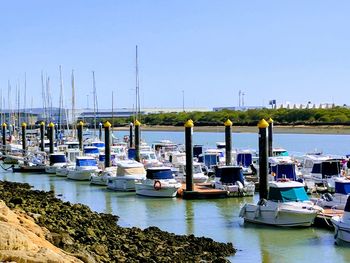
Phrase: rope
(11, 166)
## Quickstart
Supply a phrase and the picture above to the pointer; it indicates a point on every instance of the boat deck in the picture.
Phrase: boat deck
(324, 219)
(201, 191)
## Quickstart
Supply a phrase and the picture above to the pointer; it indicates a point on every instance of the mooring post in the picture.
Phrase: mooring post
(107, 126)
(100, 131)
(270, 136)
(263, 165)
(80, 134)
(42, 136)
(4, 126)
(52, 136)
(131, 135)
(228, 141)
(137, 140)
(24, 137)
(189, 154)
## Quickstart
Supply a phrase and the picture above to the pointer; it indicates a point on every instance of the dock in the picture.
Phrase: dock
(201, 191)
(324, 219)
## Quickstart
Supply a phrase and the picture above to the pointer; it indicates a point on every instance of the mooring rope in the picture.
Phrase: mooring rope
(11, 166)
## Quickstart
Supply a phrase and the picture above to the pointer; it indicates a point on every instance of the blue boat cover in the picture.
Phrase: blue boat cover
(98, 144)
(342, 187)
(57, 159)
(230, 174)
(287, 194)
(244, 159)
(102, 157)
(85, 162)
(159, 174)
(284, 171)
(210, 159)
(91, 150)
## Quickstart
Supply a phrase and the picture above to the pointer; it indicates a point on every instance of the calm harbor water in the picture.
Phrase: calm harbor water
(217, 219)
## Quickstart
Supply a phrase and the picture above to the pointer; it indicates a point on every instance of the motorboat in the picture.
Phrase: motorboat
(63, 171)
(128, 171)
(342, 225)
(244, 158)
(283, 167)
(84, 166)
(287, 205)
(279, 151)
(91, 151)
(55, 160)
(101, 177)
(319, 172)
(159, 182)
(231, 179)
(338, 199)
(198, 175)
(149, 159)
(164, 148)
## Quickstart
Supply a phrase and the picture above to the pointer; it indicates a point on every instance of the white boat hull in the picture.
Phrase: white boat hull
(278, 216)
(80, 175)
(149, 190)
(342, 230)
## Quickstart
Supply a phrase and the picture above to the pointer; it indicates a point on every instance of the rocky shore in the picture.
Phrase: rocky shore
(95, 237)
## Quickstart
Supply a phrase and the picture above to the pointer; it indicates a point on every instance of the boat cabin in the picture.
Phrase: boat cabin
(282, 167)
(57, 158)
(85, 161)
(229, 174)
(279, 152)
(91, 150)
(342, 187)
(327, 168)
(287, 192)
(244, 159)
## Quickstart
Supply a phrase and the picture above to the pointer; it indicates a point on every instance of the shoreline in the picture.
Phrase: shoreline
(297, 129)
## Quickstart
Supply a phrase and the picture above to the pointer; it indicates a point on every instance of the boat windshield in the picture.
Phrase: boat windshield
(327, 168)
(98, 144)
(290, 194)
(244, 159)
(91, 150)
(283, 171)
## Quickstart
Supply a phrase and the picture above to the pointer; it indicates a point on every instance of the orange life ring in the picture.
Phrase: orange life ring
(157, 185)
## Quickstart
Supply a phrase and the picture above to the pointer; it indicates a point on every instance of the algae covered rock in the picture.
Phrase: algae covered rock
(96, 237)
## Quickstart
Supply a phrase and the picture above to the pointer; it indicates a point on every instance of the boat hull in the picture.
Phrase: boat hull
(149, 190)
(342, 231)
(80, 175)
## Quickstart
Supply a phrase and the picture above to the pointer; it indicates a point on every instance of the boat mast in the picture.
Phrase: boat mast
(94, 94)
(60, 106)
(137, 106)
(73, 105)
(25, 99)
(112, 112)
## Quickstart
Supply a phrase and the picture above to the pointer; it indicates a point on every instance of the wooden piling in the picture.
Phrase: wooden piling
(4, 127)
(137, 140)
(263, 165)
(24, 138)
(51, 136)
(42, 136)
(131, 135)
(228, 141)
(270, 136)
(189, 155)
(80, 134)
(107, 127)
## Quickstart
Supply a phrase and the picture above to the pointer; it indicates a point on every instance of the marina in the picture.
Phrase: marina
(215, 218)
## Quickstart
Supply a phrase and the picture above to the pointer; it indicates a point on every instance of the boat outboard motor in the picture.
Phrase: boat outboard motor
(328, 197)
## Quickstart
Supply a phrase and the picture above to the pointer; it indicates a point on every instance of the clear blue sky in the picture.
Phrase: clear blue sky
(290, 50)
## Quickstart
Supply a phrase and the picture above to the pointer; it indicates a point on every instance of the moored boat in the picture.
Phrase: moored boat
(84, 167)
(342, 225)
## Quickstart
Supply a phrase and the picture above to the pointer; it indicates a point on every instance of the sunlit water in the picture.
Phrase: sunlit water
(217, 219)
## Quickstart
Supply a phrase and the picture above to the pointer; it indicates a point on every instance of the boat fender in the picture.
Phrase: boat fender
(157, 185)
(328, 197)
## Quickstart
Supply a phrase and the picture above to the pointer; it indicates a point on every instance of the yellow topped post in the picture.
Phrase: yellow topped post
(189, 155)
(270, 137)
(263, 124)
(228, 141)
(137, 123)
(189, 124)
(24, 138)
(263, 154)
(107, 124)
(4, 125)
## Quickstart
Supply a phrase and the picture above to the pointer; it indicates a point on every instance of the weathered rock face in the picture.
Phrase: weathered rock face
(95, 237)
(21, 240)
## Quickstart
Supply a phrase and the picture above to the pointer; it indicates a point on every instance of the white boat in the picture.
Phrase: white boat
(244, 158)
(128, 171)
(91, 151)
(64, 170)
(198, 175)
(338, 199)
(101, 177)
(319, 172)
(56, 160)
(283, 167)
(84, 167)
(149, 158)
(342, 226)
(159, 182)
(231, 179)
(287, 205)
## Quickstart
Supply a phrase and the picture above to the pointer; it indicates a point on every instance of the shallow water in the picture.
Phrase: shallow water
(217, 219)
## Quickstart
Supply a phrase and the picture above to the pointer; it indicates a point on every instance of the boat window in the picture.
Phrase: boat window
(98, 144)
(244, 159)
(91, 150)
(57, 159)
(73, 146)
(287, 194)
(230, 175)
(284, 171)
(330, 168)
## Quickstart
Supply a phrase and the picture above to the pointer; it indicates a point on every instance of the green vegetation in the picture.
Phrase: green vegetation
(333, 116)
